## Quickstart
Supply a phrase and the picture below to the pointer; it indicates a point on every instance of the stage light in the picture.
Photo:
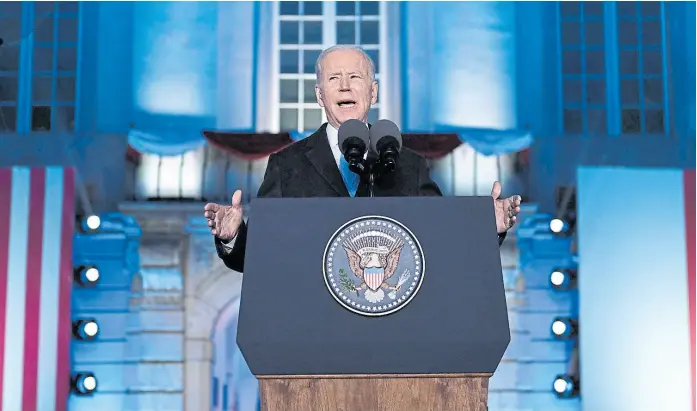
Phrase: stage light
(558, 226)
(564, 328)
(93, 222)
(85, 329)
(564, 222)
(566, 386)
(563, 278)
(84, 383)
(86, 275)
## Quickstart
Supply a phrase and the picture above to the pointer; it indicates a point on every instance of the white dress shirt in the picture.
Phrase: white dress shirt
(333, 137)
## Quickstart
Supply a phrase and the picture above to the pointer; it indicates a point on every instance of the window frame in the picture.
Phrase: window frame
(640, 77)
(583, 106)
(27, 73)
(612, 74)
(329, 21)
(14, 103)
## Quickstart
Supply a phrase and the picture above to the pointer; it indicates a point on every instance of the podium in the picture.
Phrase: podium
(373, 304)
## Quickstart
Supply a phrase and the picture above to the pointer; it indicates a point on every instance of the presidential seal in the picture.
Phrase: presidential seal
(373, 266)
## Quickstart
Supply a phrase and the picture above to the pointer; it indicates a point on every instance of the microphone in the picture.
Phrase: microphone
(354, 138)
(386, 141)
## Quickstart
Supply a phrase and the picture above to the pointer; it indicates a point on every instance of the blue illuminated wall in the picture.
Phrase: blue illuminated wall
(538, 355)
(114, 251)
(680, 34)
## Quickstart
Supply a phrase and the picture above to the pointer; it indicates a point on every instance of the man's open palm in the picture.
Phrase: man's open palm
(224, 221)
(506, 209)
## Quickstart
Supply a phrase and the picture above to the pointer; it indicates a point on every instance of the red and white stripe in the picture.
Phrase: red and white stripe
(37, 220)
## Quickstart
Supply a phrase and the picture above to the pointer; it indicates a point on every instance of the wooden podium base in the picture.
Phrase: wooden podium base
(427, 392)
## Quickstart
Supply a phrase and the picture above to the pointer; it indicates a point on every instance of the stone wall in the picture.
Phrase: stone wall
(165, 297)
(524, 379)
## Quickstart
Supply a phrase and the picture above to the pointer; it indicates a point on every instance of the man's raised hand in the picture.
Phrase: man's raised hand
(224, 221)
(506, 209)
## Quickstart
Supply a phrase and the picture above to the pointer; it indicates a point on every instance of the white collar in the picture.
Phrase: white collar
(332, 136)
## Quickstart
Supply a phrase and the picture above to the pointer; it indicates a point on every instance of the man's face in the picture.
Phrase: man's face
(345, 89)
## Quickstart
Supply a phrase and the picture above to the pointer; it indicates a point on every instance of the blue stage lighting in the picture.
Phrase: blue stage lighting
(93, 222)
(84, 383)
(85, 329)
(89, 224)
(564, 328)
(86, 275)
(566, 386)
(558, 226)
(563, 278)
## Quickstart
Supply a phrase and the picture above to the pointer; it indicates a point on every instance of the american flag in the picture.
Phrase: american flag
(37, 219)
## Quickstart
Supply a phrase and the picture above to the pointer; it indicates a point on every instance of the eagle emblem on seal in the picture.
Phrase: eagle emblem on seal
(373, 257)
(373, 265)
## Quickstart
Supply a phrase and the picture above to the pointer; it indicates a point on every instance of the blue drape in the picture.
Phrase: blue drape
(495, 143)
(165, 142)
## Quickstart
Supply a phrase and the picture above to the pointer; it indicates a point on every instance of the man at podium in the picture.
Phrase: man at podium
(314, 167)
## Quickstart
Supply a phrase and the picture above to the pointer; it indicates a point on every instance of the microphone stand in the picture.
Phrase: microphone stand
(371, 169)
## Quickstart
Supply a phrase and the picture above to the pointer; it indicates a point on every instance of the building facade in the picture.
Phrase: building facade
(122, 90)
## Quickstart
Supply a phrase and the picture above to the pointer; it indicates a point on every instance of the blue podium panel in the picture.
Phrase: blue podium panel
(372, 286)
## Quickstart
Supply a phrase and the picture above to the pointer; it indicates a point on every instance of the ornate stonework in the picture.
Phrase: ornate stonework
(177, 240)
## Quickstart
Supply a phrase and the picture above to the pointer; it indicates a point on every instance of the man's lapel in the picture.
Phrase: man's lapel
(320, 155)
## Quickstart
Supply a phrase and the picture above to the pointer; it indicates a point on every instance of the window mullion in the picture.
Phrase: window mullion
(584, 81)
(664, 71)
(329, 24)
(640, 72)
(26, 70)
(612, 90)
(54, 70)
(275, 93)
(328, 33)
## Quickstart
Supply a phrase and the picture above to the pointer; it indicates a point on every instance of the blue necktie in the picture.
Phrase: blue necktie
(351, 179)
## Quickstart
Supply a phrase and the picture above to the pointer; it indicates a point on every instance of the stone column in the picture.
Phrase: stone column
(155, 332)
(459, 75)
(460, 65)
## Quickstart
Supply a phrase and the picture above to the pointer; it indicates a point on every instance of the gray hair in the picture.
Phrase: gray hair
(324, 53)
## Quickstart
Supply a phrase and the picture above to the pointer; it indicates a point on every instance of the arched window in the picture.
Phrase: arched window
(304, 30)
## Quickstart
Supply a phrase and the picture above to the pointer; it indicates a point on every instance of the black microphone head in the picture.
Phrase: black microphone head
(353, 129)
(382, 129)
